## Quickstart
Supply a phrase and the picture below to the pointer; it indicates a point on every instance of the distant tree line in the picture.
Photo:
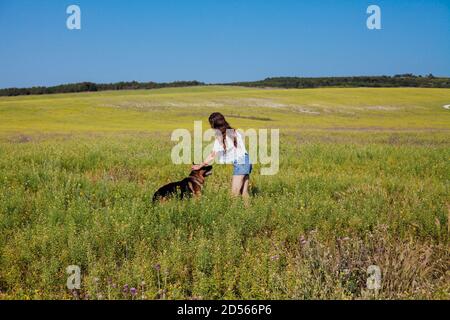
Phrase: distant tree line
(401, 80)
(92, 87)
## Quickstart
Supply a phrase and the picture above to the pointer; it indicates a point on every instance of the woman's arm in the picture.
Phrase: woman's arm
(208, 159)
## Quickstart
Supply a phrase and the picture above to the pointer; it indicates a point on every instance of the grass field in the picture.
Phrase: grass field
(364, 180)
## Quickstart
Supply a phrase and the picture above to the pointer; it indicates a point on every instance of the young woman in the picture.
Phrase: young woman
(229, 147)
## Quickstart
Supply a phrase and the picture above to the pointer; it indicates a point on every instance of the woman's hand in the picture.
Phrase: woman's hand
(205, 163)
(197, 166)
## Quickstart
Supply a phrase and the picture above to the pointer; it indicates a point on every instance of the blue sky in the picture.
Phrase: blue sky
(218, 41)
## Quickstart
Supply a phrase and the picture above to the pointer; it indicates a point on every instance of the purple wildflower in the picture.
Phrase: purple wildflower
(303, 240)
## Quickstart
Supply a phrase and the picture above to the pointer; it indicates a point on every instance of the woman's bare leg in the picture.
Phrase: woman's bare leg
(237, 183)
(244, 190)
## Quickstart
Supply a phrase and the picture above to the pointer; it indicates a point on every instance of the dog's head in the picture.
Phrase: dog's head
(203, 172)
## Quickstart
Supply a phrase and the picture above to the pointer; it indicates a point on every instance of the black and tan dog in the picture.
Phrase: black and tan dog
(190, 186)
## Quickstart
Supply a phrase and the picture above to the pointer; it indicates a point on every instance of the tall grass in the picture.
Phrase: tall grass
(340, 203)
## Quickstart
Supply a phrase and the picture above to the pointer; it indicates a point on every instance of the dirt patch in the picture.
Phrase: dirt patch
(382, 108)
(300, 109)
(20, 138)
(214, 103)
(248, 117)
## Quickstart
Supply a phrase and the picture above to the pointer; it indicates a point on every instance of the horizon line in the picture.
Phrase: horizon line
(228, 83)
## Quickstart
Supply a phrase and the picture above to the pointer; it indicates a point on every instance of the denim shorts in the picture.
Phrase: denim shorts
(242, 168)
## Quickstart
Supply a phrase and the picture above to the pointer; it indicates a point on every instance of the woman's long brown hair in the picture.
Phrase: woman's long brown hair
(218, 122)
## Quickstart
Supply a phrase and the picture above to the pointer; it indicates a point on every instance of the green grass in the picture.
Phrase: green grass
(167, 109)
(364, 179)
